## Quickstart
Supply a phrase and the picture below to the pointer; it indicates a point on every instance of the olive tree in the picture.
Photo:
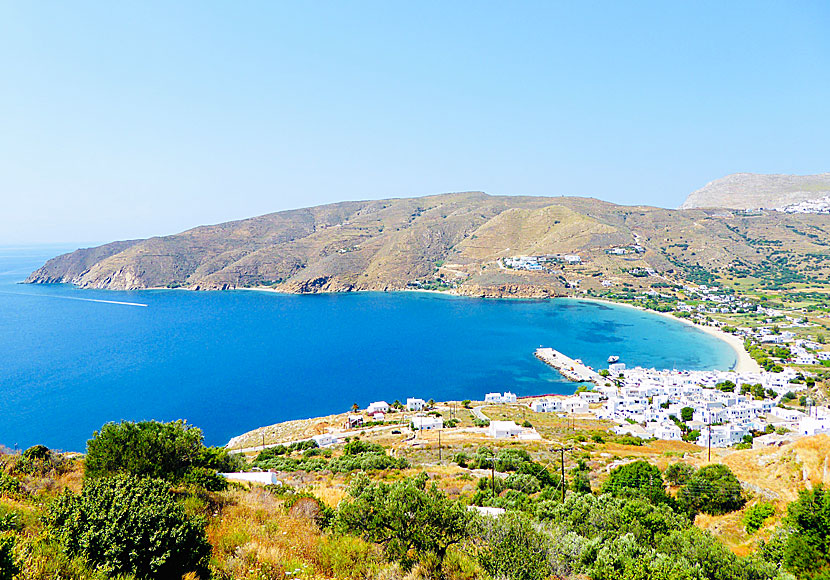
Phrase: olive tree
(410, 520)
(128, 525)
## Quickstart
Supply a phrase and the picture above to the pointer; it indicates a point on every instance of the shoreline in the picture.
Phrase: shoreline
(743, 362)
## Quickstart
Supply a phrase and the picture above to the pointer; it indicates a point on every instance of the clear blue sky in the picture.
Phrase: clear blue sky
(131, 119)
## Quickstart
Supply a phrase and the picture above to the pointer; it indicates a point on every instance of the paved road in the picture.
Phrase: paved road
(479, 415)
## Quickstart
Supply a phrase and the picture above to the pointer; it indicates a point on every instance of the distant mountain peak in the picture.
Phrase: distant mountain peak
(754, 191)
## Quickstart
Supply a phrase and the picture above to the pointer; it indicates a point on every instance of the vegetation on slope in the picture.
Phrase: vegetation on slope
(58, 519)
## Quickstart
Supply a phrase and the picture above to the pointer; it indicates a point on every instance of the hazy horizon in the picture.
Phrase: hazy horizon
(129, 121)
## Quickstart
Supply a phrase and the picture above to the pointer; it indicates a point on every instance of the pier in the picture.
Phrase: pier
(569, 368)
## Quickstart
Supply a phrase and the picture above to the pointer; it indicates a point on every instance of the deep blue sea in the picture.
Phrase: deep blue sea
(229, 362)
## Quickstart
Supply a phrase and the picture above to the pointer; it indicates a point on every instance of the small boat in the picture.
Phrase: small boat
(613, 358)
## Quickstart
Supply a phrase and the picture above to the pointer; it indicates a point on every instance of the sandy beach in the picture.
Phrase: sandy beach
(744, 363)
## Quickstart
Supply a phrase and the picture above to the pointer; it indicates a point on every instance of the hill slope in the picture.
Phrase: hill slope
(753, 191)
(457, 241)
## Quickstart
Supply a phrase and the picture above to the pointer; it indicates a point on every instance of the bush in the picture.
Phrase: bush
(712, 490)
(127, 525)
(806, 549)
(357, 447)
(756, 515)
(169, 451)
(639, 479)
(8, 563)
(409, 520)
(678, 473)
(9, 486)
(510, 547)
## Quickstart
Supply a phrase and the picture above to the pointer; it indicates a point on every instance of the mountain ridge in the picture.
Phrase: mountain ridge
(456, 241)
(758, 191)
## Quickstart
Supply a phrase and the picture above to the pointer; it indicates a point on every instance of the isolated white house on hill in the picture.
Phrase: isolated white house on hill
(378, 407)
(415, 404)
(503, 429)
(324, 439)
(507, 397)
(425, 423)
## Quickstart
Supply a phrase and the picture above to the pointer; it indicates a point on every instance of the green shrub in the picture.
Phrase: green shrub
(410, 520)
(357, 447)
(678, 473)
(511, 547)
(756, 515)
(170, 451)
(638, 479)
(127, 525)
(9, 486)
(806, 549)
(9, 567)
(712, 490)
(9, 520)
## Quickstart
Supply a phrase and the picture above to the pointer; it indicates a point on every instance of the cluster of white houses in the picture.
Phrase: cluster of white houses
(644, 401)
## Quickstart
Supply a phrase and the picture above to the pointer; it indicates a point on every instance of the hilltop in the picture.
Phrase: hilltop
(754, 191)
(462, 242)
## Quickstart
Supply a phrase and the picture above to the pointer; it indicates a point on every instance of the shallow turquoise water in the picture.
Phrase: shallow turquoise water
(232, 361)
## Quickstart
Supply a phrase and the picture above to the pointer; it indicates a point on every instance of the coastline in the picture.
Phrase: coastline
(743, 362)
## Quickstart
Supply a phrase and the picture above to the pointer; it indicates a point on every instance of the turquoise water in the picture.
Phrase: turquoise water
(233, 361)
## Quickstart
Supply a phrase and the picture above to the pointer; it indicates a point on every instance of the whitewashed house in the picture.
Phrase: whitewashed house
(423, 423)
(324, 439)
(507, 397)
(415, 404)
(503, 429)
(378, 407)
(575, 405)
(546, 405)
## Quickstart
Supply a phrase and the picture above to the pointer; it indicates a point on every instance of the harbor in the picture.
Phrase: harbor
(572, 369)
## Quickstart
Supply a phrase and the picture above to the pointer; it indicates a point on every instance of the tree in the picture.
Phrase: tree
(129, 525)
(687, 413)
(713, 490)
(637, 479)
(678, 473)
(511, 547)
(807, 547)
(169, 451)
(408, 519)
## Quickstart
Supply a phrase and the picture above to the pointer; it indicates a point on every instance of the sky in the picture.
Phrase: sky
(131, 119)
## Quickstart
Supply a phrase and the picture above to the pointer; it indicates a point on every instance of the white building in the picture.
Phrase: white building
(415, 404)
(546, 405)
(423, 423)
(507, 397)
(324, 439)
(378, 407)
(722, 435)
(503, 429)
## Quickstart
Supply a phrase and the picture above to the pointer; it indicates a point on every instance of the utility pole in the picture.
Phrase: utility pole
(439, 444)
(709, 442)
(562, 450)
(493, 474)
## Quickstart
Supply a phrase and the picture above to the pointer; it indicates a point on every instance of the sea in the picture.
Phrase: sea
(72, 359)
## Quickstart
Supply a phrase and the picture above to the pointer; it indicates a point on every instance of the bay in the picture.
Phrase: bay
(228, 362)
